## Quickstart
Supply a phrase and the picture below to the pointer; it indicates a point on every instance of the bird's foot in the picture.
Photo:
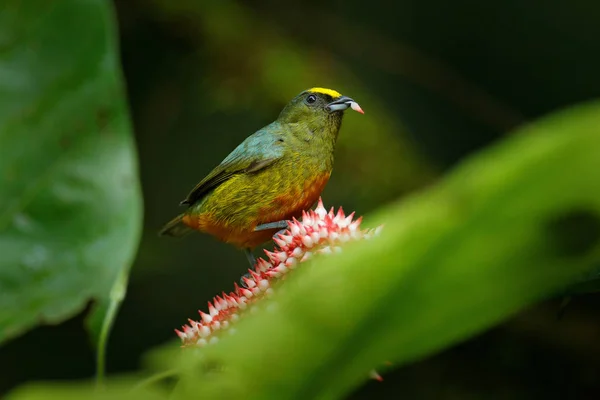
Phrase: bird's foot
(248, 252)
(250, 257)
(272, 225)
(252, 261)
(243, 278)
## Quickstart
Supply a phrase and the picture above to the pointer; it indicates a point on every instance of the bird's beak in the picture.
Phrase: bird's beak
(342, 103)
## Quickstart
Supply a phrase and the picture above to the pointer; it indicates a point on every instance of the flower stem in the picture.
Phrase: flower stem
(117, 294)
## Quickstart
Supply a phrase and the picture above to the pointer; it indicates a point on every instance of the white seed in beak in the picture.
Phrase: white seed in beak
(354, 105)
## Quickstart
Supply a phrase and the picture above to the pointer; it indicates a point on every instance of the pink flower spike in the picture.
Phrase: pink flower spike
(318, 231)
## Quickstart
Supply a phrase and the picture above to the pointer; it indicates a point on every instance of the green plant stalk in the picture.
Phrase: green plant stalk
(117, 294)
(155, 378)
(450, 262)
(119, 288)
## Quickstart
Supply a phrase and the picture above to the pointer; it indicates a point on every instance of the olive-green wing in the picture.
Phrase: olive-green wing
(253, 154)
(221, 174)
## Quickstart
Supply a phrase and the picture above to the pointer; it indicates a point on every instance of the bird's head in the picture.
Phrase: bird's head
(318, 109)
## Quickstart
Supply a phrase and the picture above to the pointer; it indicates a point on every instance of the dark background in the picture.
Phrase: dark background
(437, 80)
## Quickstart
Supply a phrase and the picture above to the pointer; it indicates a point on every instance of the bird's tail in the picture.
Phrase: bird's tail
(175, 228)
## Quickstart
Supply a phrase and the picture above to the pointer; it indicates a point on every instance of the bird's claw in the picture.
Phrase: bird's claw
(271, 225)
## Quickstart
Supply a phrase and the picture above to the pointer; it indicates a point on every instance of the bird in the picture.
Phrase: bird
(271, 177)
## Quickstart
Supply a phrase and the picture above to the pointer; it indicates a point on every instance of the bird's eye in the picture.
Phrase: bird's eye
(311, 99)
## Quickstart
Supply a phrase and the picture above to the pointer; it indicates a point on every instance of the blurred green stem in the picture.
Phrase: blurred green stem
(155, 378)
(117, 295)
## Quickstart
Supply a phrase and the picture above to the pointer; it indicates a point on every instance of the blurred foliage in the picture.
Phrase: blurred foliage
(120, 391)
(71, 203)
(437, 80)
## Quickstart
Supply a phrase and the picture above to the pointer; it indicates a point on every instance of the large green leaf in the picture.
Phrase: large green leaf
(509, 227)
(70, 203)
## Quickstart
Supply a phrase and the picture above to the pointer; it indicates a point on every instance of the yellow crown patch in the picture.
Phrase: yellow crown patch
(329, 92)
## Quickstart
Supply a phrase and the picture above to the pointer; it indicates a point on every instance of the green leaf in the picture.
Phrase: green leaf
(487, 241)
(70, 209)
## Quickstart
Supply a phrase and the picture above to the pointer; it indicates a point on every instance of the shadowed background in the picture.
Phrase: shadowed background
(437, 81)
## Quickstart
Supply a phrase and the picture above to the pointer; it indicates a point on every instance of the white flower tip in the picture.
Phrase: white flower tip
(375, 375)
(307, 241)
(204, 331)
(212, 311)
(264, 284)
(320, 210)
(279, 241)
(297, 252)
(207, 319)
(294, 230)
(291, 262)
(281, 269)
(287, 238)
